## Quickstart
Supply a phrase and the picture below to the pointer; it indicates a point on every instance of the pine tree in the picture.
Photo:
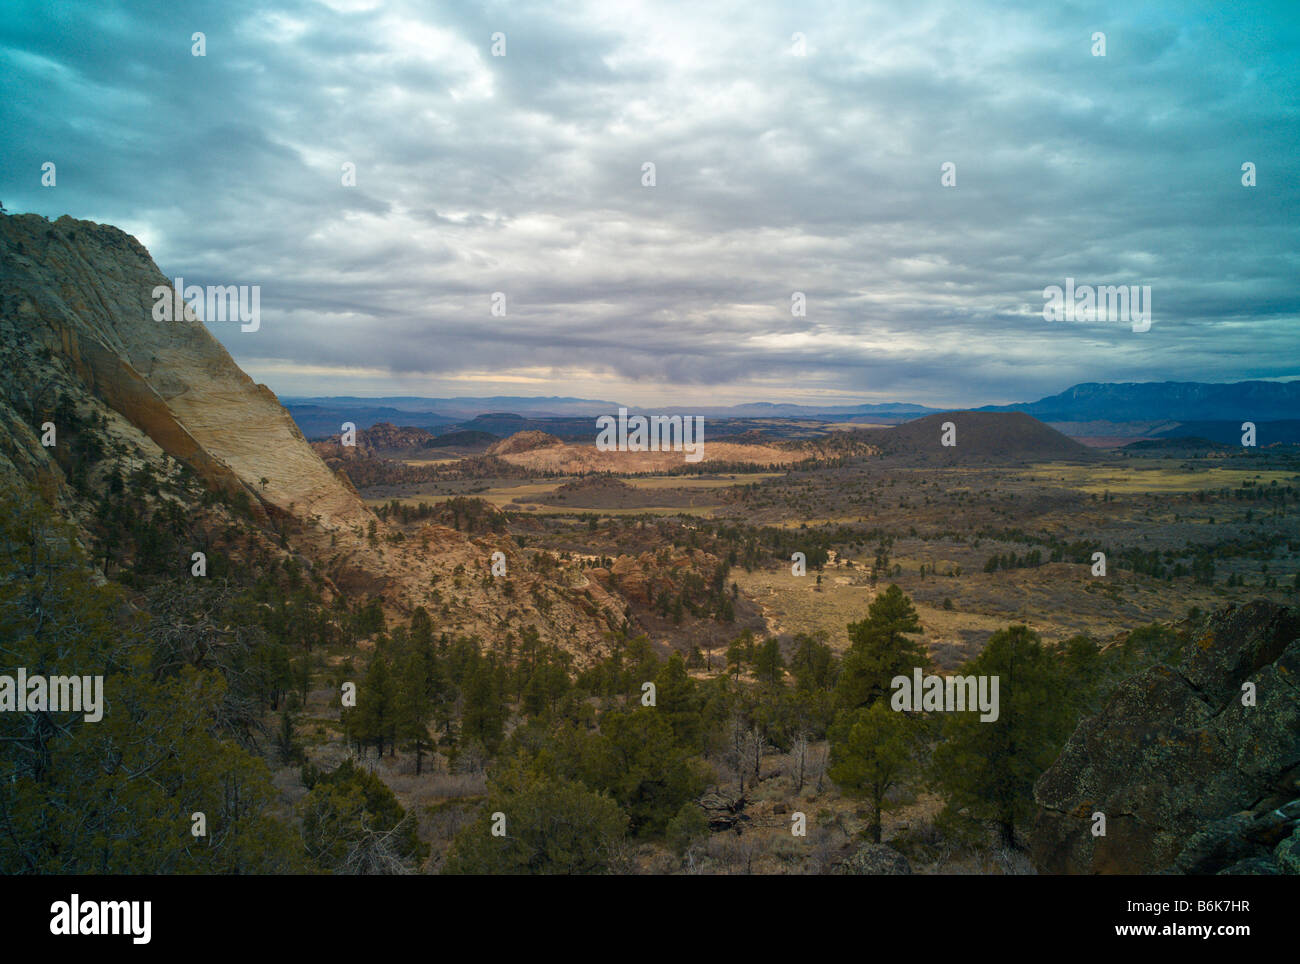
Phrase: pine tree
(116, 796)
(769, 667)
(873, 750)
(483, 713)
(412, 707)
(676, 700)
(813, 663)
(987, 770)
(880, 650)
(374, 719)
(552, 826)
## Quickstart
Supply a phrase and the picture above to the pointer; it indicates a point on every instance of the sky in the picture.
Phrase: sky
(797, 147)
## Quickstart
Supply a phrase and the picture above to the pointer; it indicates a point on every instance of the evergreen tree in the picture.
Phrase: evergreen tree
(412, 707)
(812, 662)
(873, 750)
(986, 770)
(116, 795)
(880, 649)
(352, 823)
(675, 696)
(483, 715)
(636, 759)
(374, 719)
(769, 667)
(552, 826)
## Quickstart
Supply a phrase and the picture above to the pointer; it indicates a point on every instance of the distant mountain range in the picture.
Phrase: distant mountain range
(324, 417)
(459, 409)
(321, 416)
(1152, 401)
(1228, 432)
(1116, 403)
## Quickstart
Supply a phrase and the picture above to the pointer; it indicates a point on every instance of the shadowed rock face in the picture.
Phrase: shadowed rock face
(1190, 779)
(85, 292)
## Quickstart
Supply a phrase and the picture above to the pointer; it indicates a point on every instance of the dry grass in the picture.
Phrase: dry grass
(1155, 478)
(579, 459)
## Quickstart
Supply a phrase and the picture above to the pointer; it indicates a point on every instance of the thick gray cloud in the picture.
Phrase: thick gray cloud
(775, 172)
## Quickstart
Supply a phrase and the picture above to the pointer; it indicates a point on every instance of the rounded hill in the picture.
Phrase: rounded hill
(979, 437)
(524, 442)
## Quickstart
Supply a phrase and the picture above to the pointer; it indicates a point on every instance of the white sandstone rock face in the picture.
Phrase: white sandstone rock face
(84, 293)
(85, 290)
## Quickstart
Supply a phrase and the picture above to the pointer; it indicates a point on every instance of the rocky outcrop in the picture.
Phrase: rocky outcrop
(723, 810)
(523, 442)
(631, 578)
(1192, 773)
(382, 439)
(641, 579)
(1261, 842)
(1286, 855)
(79, 344)
(85, 292)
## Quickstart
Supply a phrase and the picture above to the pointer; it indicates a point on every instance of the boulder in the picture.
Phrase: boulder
(724, 811)
(1181, 768)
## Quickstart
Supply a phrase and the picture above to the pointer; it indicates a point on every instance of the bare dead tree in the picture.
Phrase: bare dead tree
(800, 749)
(375, 853)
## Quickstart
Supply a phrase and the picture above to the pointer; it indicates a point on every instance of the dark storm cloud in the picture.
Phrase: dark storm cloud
(776, 173)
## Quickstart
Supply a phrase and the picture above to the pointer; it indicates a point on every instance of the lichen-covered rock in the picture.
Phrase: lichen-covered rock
(1245, 839)
(1251, 867)
(1287, 854)
(1175, 756)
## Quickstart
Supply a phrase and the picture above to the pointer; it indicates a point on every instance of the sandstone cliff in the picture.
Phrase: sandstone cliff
(84, 291)
(79, 346)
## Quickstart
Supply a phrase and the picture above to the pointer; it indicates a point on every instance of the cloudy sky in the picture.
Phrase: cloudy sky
(798, 147)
